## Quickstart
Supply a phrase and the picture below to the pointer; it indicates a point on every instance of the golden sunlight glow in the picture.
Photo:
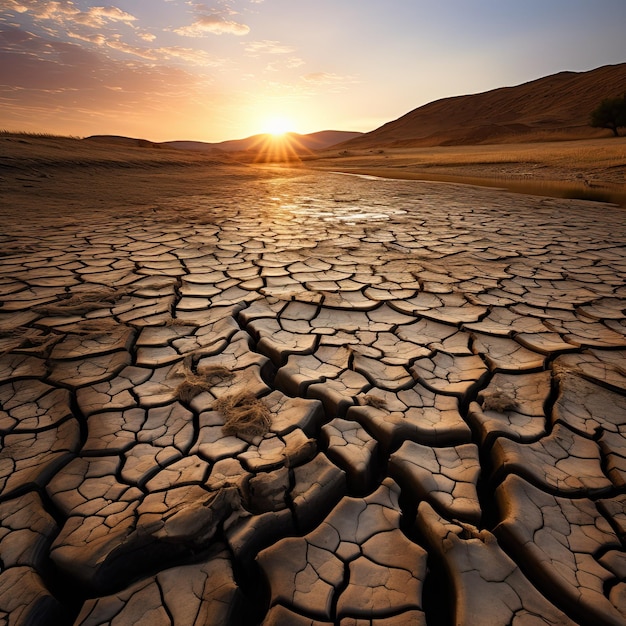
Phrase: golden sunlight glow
(277, 125)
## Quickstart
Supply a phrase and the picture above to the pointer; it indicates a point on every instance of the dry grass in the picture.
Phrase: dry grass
(187, 390)
(20, 134)
(34, 341)
(95, 328)
(587, 153)
(83, 302)
(245, 415)
(592, 152)
(194, 383)
(28, 340)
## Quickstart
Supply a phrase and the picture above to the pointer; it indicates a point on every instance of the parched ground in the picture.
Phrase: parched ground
(285, 397)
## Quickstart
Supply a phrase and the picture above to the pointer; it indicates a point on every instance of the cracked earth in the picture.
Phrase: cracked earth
(429, 390)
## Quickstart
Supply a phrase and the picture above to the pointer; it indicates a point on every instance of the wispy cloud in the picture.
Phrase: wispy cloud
(212, 24)
(163, 53)
(323, 78)
(31, 62)
(121, 46)
(96, 38)
(98, 16)
(41, 72)
(293, 62)
(256, 48)
(64, 11)
(196, 57)
(327, 81)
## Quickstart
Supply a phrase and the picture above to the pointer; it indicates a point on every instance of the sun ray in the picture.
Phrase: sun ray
(279, 148)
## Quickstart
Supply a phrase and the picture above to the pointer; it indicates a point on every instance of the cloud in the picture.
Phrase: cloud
(96, 38)
(329, 82)
(29, 62)
(189, 55)
(146, 36)
(267, 47)
(40, 8)
(65, 12)
(98, 16)
(214, 24)
(294, 62)
(12, 5)
(33, 67)
(197, 57)
(323, 78)
(145, 53)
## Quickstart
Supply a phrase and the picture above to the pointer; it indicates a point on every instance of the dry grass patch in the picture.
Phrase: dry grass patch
(83, 302)
(28, 340)
(245, 414)
(194, 383)
(599, 160)
(95, 327)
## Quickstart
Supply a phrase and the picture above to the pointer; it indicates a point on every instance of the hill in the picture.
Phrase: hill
(300, 143)
(30, 151)
(120, 141)
(550, 108)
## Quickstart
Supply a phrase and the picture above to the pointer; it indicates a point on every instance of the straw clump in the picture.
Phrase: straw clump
(83, 302)
(245, 414)
(28, 340)
(194, 383)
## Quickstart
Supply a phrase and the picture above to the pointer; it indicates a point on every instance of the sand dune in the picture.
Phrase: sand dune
(24, 150)
(551, 108)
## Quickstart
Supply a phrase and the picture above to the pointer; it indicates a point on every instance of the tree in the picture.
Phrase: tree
(611, 113)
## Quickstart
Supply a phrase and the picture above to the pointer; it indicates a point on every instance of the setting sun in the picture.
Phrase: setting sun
(277, 126)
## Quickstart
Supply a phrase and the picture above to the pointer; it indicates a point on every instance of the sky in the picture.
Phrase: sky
(227, 69)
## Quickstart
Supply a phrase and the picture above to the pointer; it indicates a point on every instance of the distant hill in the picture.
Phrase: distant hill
(300, 143)
(122, 141)
(550, 108)
(29, 151)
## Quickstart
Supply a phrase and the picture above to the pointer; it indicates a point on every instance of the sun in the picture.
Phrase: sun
(277, 125)
(277, 141)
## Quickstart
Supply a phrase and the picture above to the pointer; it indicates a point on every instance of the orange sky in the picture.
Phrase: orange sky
(228, 69)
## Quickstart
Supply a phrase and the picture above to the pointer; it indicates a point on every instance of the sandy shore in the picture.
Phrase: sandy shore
(244, 395)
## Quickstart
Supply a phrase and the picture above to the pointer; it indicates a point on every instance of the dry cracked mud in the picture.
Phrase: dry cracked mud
(312, 400)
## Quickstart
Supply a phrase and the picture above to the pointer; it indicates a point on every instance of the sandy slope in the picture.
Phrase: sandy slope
(550, 108)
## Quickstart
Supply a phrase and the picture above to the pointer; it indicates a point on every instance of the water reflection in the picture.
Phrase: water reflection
(566, 190)
(571, 191)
